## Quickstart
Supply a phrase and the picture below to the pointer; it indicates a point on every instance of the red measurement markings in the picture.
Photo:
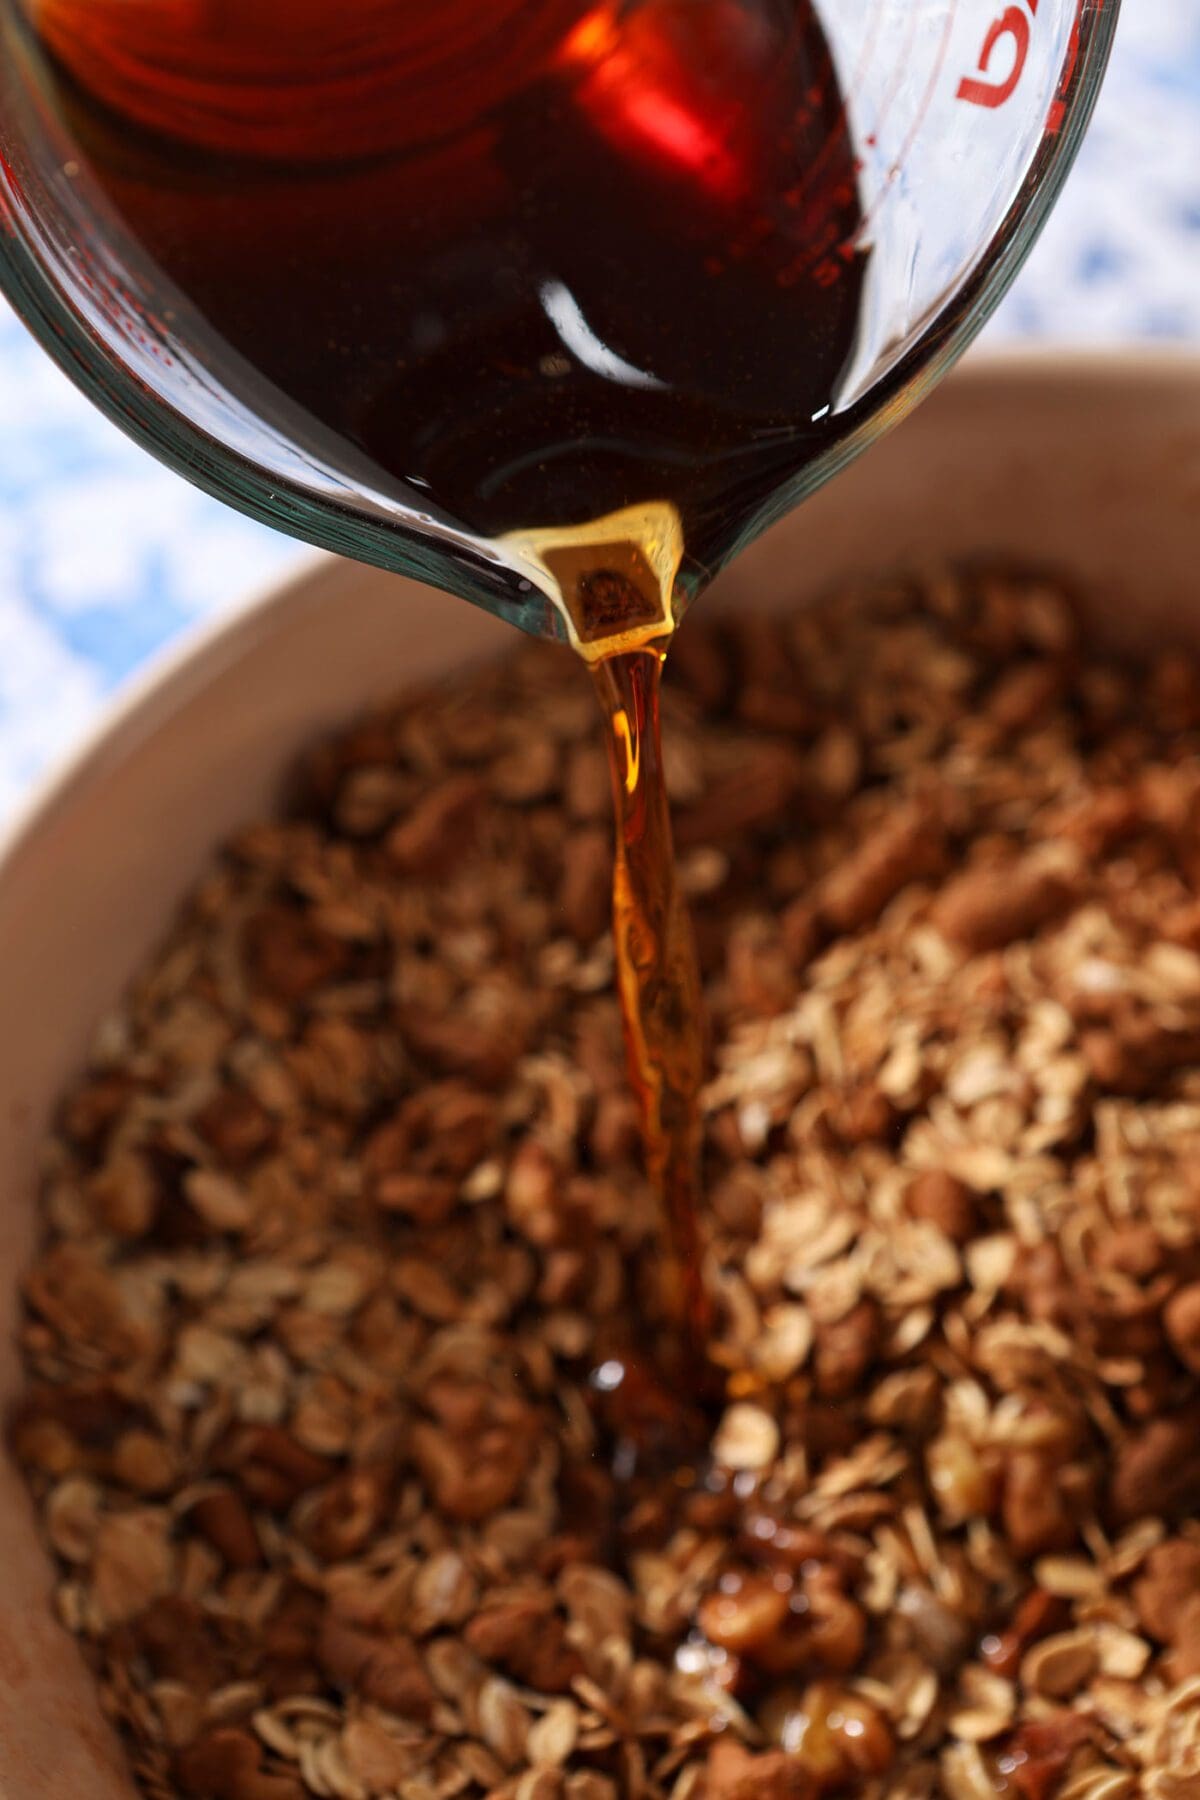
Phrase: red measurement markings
(1013, 29)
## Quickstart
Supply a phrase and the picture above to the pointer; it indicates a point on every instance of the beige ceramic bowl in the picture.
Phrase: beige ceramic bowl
(1088, 464)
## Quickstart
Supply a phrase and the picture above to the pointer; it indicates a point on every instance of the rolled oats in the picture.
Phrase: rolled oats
(333, 1416)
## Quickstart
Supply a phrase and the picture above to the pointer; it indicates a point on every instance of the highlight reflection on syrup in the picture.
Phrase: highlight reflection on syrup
(637, 89)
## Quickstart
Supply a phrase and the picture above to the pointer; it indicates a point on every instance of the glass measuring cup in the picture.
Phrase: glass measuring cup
(962, 117)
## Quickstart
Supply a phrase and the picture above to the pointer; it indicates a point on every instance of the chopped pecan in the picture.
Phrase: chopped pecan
(945, 1201)
(1040, 1508)
(989, 907)
(1038, 1615)
(289, 955)
(475, 1458)
(1168, 1580)
(1039, 1753)
(339, 1520)
(444, 1130)
(1157, 1473)
(180, 1642)
(438, 830)
(1182, 1320)
(235, 1126)
(80, 1299)
(223, 1517)
(228, 1764)
(735, 1773)
(386, 1669)
(845, 1349)
(909, 846)
(269, 1464)
(526, 1636)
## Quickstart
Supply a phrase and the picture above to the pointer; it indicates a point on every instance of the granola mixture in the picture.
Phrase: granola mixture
(346, 1209)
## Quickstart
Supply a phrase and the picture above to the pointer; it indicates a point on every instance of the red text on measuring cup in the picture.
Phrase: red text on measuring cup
(1012, 25)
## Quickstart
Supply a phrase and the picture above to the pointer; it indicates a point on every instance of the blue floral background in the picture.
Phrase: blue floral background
(146, 555)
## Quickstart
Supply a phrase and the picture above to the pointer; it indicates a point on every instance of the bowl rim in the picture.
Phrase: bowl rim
(192, 658)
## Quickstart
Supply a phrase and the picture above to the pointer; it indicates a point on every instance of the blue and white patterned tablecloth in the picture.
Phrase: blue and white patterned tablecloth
(146, 554)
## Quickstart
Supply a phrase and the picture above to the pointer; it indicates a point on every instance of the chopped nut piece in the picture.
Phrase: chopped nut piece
(227, 1765)
(223, 1518)
(909, 846)
(1169, 1578)
(383, 1668)
(987, 908)
(132, 1564)
(735, 1774)
(945, 1202)
(1182, 1320)
(437, 831)
(1158, 1470)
